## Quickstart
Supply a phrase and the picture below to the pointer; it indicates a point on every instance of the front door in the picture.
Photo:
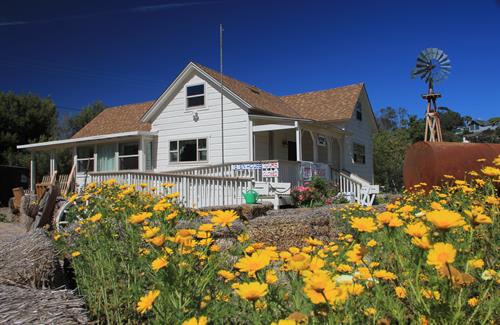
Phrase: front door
(292, 151)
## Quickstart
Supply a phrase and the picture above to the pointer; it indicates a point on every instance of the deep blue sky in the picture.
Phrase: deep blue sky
(129, 51)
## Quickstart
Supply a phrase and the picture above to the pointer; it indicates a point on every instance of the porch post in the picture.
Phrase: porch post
(251, 148)
(315, 146)
(52, 165)
(329, 147)
(298, 141)
(141, 154)
(32, 173)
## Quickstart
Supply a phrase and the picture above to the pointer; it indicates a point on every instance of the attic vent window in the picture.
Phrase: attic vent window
(195, 96)
(359, 112)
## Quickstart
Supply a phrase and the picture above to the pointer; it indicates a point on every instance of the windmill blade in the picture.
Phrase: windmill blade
(441, 55)
(445, 62)
(420, 70)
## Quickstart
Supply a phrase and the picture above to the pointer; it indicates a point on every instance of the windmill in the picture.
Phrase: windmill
(433, 65)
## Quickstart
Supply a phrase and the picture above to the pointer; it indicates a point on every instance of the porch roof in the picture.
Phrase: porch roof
(96, 138)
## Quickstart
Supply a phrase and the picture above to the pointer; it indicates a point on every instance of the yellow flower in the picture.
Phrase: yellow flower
(243, 238)
(96, 217)
(423, 242)
(364, 224)
(383, 274)
(429, 294)
(354, 289)
(473, 302)
(477, 264)
(144, 185)
(252, 291)
(298, 262)
(167, 185)
(488, 274)
(146, 302)
(228, 276)
(344, 268)
(483, 219)
(75, 254)
(385, 217)
(149, 232)
(253, 263)
(355, 255)
(445, 219)
(224, 218)
(158, 240)
(492, 200)
(436, 206)
(313, 241)
(172, 215)
(372, 243)
(271, 277)
(206, 227)
(316, 263)
(395, 222)
(285, 322)
(441, 254)
(193, 321)
(140, 217)
(400, 292)
(370, 311)
(159, 263)
(56, 236)
(491, 171)
(418, 229)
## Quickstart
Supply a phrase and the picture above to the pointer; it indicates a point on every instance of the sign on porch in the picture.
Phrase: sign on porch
(271, 169)
(249, 166)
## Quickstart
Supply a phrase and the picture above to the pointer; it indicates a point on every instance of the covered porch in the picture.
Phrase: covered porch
(127, 151)
(277, 138)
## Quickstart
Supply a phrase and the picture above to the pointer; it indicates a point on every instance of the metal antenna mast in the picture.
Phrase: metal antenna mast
(222, 112)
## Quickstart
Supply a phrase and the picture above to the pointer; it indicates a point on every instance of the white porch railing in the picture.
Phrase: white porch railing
(288, 171)
(194, 190)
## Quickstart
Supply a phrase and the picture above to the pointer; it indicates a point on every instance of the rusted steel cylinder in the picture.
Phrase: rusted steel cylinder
(428, 162)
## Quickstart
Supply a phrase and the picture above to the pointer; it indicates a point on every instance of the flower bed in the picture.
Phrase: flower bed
(429, 258)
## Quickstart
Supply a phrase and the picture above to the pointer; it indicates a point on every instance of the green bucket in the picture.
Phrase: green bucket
(250, 196)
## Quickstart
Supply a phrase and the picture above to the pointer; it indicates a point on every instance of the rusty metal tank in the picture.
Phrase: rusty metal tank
(428, 162)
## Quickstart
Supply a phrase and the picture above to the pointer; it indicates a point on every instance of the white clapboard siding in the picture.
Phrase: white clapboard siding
(176, 122)
(195, 191)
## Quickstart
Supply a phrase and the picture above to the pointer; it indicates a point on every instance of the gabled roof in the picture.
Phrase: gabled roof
(118, 119)
(330, 105)
(259, 99)
(326, 105)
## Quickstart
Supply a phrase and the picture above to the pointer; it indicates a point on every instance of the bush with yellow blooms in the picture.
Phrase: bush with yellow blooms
(427, 258)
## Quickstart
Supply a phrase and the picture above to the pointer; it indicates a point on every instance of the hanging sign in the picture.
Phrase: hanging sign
(271, 169)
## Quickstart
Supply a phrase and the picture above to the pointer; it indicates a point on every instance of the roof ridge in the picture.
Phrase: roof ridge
(251, 86)
(323, 90)
(131, 104)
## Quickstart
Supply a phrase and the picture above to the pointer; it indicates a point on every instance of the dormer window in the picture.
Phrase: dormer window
(195, 96)
(359, 112)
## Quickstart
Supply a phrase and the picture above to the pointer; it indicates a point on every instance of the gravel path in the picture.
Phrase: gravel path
(10, 230)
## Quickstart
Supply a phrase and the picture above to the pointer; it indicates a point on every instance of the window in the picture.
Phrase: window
(85, 159)
(358, 153)
(359, 112)
(128, 156)
(188, 150)
(195, 95)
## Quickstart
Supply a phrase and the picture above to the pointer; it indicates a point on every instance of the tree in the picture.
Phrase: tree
(73, 124)
(25, 118)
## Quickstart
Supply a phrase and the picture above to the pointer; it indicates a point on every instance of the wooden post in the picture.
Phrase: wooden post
(298, 140)
(251, 153)
(315, 145)
(32, 172)
(52, 164)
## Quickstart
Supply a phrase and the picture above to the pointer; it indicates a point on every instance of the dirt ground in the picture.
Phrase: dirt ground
(10, 228)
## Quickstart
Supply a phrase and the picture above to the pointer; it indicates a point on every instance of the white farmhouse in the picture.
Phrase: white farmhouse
(284, 138)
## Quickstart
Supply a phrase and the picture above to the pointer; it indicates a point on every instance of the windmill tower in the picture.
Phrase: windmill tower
(433, 65)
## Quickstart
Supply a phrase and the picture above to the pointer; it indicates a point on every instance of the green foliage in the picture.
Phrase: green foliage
(24, 119)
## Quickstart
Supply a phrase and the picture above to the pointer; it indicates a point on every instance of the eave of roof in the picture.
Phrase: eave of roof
(95, 138)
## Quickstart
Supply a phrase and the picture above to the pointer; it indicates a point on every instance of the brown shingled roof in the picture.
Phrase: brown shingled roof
(258, 98)
(125, 118)
(326, 105)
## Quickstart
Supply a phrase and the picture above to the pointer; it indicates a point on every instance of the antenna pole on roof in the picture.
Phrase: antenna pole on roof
(221, 29)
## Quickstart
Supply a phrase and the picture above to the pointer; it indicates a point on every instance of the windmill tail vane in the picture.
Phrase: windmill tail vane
(433, 65)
